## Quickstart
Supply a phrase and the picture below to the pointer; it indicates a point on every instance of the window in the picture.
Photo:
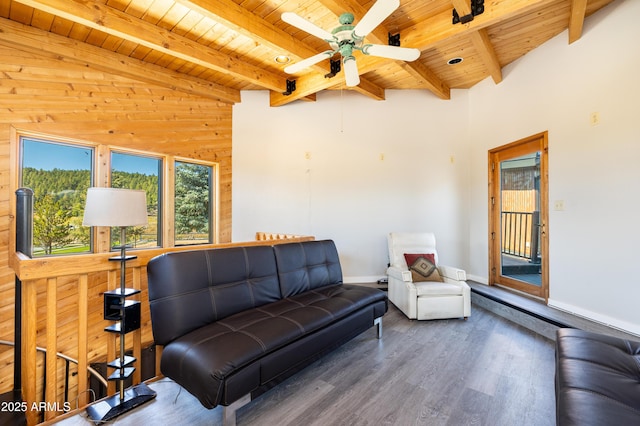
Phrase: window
(60, 172)
(193, 203)
(59, 175)
(139, 172)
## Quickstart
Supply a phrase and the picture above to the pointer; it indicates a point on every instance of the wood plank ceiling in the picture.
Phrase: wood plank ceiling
(216, 48)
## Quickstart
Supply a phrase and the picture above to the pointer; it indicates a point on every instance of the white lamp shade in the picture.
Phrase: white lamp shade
(115, 207)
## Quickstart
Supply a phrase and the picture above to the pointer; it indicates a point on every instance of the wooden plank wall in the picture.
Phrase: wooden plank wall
(52, 97)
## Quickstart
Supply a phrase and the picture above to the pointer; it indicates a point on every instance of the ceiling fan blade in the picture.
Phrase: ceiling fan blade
(378, 13)
(301, 23)
(391, 52)
(306, 63)
(351, 74)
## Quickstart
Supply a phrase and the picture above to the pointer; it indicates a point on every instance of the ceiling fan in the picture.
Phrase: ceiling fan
(347, 38)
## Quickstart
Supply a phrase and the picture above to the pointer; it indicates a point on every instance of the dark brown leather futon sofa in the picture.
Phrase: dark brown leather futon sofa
(235, 322)
(597, 379)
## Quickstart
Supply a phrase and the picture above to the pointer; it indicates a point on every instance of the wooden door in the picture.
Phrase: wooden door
(518, 216)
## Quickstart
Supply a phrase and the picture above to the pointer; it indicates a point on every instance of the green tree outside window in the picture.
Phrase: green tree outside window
(192, 203)
(59, 175)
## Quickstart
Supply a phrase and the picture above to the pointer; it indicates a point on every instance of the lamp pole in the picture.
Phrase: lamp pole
(121, 208)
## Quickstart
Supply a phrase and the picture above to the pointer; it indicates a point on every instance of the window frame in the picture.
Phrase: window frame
(214, 210)
(20, 138)
(161, 184)
(101, 177)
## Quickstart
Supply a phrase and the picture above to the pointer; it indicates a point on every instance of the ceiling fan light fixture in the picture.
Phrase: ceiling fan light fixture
(351, 75)
(454, 61)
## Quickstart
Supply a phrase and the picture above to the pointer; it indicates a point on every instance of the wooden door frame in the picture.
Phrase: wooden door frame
(537, 142)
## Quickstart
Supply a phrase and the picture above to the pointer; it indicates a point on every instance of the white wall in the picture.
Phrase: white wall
(344, 191)
(593, 242)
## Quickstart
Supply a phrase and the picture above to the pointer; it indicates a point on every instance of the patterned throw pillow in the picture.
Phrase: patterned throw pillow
(423, 267)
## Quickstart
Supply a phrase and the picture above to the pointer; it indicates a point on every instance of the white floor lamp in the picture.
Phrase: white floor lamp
(122, 208)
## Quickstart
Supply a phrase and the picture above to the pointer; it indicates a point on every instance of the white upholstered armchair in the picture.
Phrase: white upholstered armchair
(424, 300)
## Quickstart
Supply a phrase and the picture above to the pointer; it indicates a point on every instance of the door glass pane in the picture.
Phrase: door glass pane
(520, 218)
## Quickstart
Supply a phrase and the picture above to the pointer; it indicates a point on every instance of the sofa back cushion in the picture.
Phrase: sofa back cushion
(306, 266)
(190, 289)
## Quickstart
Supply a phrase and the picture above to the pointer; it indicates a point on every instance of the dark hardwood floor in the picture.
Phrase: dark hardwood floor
(483, 371)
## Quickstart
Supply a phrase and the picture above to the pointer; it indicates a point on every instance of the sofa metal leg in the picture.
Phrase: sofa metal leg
(378, 322)
(229, 412)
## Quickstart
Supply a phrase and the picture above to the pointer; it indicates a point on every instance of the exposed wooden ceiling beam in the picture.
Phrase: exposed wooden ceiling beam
(244, 22)
(429, 32)
(576, 19)
(305, 85)
(463, 7)
(431, 35)
(309, 98)
(114, 22)
(481, 42)
(237, 18)
(369, 89)
(425, 77)
(61, 48)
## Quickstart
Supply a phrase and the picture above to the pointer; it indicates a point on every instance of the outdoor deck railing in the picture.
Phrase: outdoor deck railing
(521, 234)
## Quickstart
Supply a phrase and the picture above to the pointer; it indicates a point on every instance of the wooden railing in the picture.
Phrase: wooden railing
(271, 236)
(62, 307)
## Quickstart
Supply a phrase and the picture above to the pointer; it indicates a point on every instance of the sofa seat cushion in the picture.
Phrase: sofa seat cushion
(597, 379)
(438, 289)
(219, 349)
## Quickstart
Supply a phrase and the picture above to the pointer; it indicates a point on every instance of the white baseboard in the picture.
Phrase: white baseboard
(479, 279)
(363, 279)
(627, 327)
